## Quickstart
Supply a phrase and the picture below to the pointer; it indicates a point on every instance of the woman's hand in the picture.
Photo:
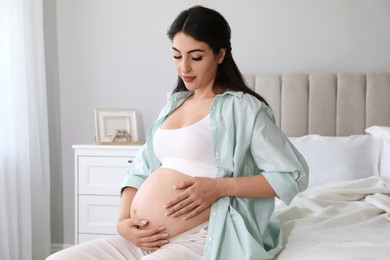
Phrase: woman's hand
(137, 232)
(198, 194)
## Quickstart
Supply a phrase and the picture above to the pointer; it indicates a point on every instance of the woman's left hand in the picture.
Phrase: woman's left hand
(198, 194)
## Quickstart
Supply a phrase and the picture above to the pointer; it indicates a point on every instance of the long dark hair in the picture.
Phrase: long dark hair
(209, 26)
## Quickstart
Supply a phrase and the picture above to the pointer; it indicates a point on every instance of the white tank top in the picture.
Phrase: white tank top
(187, 150)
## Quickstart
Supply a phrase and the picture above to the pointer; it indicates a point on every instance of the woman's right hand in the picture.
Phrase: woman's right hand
(137, 232)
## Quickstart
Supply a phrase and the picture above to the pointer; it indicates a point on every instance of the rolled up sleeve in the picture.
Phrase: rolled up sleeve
(280, 162)
(138, 171)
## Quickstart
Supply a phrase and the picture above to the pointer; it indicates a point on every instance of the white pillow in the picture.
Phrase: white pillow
(382, 133)
(339, 158)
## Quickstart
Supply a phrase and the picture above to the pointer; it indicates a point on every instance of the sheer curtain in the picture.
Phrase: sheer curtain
(24, 148)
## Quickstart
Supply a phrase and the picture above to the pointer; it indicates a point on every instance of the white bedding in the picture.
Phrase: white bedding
(338, 220)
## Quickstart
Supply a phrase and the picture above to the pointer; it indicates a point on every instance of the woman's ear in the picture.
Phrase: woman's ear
(221, 55)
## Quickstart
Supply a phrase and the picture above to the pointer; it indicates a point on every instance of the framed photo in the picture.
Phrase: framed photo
(116, 126)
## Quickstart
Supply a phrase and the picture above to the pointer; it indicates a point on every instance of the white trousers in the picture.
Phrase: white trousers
(188, 245)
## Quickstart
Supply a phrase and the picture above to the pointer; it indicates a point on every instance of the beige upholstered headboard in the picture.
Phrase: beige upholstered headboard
(326, 104)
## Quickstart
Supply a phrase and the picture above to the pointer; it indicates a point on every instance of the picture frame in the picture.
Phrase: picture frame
(116, 126)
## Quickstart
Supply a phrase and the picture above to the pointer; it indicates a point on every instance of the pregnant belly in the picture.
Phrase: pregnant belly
(154, 193)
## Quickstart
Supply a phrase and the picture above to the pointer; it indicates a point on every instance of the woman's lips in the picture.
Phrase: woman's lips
(188, 79)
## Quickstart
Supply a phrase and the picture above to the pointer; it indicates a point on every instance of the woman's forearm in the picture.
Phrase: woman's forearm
(248, 186)
(126, 200)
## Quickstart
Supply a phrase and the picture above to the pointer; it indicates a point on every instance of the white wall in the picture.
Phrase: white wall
(115, 53)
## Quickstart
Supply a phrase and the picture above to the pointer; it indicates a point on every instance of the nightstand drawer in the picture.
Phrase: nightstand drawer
(98, 214)
(101, 175)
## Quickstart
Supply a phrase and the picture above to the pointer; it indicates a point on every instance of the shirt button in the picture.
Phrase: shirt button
(210, 238)
(214, 213)
(217, 153)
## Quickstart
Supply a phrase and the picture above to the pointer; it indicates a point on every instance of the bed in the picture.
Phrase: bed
(341, 124)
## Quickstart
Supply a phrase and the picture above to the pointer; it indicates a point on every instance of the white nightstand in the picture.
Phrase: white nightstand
(99, 173)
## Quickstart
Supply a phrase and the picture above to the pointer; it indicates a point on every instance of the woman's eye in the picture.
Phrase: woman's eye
(194, 59)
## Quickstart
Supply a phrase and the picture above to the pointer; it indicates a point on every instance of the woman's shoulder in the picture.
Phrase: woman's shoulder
(240, 98)
(248, 105)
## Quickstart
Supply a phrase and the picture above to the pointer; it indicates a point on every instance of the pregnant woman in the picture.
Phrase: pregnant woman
(204, 184)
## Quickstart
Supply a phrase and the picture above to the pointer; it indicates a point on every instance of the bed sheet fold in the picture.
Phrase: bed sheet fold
(341, 220)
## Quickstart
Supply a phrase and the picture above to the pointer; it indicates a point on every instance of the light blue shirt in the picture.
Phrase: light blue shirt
(246, 142)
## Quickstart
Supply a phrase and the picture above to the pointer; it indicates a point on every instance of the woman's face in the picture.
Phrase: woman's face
(195, 62)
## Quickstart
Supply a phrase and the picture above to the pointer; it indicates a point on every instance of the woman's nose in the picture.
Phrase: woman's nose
(185, 65)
